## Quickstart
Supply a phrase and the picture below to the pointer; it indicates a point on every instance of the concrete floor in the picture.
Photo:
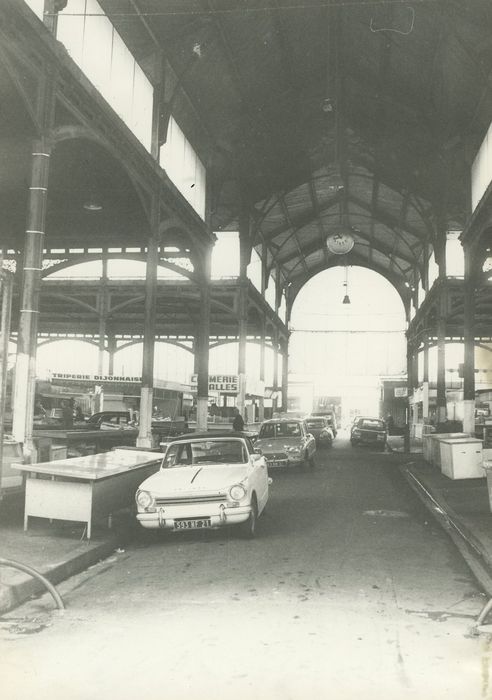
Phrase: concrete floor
(348, 592)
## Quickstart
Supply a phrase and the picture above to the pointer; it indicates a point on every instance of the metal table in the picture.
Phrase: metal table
(83, 488)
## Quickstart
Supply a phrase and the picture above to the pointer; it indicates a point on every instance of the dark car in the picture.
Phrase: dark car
(369, 431)
(320, 428)
(114, 419)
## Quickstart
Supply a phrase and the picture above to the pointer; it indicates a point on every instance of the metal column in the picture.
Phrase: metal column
(203, 338)
(147, 390)
(25, 369)
(469, 347)
(441, 356)
(6, 286)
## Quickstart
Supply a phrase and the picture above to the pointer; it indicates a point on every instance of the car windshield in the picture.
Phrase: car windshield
(370, 424)
(205, 452)
(316, 423)
(284, 429)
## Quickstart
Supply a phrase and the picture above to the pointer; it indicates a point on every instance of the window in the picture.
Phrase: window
(205, 452)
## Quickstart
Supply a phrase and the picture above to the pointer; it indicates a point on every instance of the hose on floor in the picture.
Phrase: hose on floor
(35, 574)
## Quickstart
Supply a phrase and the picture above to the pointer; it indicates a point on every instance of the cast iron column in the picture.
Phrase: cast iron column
(469, 343)
(261, 402)
(6, 285)
(144, 438)
(285, 375)
(425, 382)
(203, 345)
(441, 353)
(25, 368)
(410, 365)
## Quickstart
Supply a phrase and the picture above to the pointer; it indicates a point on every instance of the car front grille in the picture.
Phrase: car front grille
(275, 456)
(180, 500)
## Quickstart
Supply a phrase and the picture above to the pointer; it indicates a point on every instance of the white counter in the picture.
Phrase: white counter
(83, 488)
(461, 458)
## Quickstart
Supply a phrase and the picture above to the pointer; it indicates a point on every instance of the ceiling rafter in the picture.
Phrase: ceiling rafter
(315, 203)
(285, 212)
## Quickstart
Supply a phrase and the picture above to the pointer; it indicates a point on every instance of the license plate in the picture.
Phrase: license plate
(275, 463)
(197, 524)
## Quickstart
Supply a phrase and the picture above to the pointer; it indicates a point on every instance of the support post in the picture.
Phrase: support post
(25, 369)
(242, 303)
(261, 402)
(275, 369)
(469, 347)
(425, 382)
(112, 348)
(441, 356)
(144, 438)
(203, 338)
(6, 285)
(285, 375)
(410, 387)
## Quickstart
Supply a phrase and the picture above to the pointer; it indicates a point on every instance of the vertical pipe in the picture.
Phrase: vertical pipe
(25, 372)
(469, 347)
(146, 393)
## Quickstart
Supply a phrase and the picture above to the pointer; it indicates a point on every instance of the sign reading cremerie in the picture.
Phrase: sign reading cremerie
(227, 383)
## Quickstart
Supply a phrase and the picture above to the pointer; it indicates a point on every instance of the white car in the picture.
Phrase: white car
(209, 480)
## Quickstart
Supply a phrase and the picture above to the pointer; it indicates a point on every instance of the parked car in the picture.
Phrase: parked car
(330, 416)
(209, 480)
(369, 431)
(286, 442)
(321, 430)
(110, 419)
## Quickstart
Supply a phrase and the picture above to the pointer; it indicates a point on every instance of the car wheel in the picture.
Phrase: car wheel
(312, 463)
(305, 462)
(248, 528)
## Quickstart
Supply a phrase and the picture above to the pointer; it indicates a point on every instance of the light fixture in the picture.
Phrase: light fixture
(92, 204)
(346, 298)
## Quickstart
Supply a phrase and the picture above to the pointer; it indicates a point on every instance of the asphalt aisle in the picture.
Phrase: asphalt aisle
(348, 590)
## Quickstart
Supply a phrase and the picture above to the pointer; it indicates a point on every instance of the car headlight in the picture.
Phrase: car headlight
(144, 499)
(356, 433)
(294, 450)
(237, 492)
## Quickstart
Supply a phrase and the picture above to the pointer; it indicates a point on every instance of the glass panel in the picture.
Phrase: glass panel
(37, 6)
(70, 29)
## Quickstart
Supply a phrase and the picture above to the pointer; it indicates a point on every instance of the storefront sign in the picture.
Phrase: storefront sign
(224, 383)
(92, 377)
(401, 392)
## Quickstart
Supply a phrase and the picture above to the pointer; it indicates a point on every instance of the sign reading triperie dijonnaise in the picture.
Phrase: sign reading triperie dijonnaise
(226, 383)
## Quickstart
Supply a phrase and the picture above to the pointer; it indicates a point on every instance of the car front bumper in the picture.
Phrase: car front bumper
(211, 516)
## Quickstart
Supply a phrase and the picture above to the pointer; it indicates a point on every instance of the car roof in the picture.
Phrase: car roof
(283, 420)
(210, 435)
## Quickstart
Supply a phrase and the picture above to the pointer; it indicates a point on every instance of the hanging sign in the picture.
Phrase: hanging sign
(340, 243)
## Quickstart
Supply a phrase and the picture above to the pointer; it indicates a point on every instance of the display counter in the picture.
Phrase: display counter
(85, 488)
(461, 458)
(432, 446)
(10, 479)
